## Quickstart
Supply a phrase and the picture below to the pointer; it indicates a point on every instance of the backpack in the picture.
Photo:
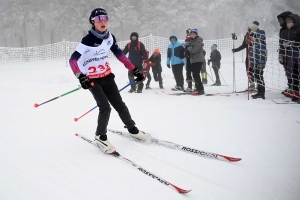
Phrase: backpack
(139, 46)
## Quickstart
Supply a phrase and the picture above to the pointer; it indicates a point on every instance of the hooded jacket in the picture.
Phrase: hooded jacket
(293, 34)
(195, 49)
(175, 54)
(283, 15)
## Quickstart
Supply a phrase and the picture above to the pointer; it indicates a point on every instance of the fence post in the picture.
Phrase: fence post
(65, 51)
(151, 44)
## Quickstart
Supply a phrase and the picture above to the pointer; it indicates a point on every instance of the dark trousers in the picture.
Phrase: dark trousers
(157, 77)
(250, 69)
(188, 73)
(178, 74)
(216, 70)
(148, 77)
(105, 91)
(196, 68)
(131, 78)
(258, 74)
(293, 69)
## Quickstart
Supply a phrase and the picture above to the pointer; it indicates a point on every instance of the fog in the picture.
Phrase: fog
(25, 23)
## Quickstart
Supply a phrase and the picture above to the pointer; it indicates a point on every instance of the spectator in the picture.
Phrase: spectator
(291, 42)
(244, 45)
(155, 59)
(175, 57)
(282, 54)
(258, 59)
(138, 57)
(195, 50)
(215, 59)
(188, 68)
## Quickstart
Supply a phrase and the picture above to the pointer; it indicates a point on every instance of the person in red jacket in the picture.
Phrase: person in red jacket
(146, 69)
(155, 60)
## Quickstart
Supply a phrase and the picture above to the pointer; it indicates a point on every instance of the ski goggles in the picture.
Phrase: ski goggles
(99, 18)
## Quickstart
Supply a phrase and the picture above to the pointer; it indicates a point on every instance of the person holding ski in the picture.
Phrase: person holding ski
(138, 57)
(195, 50)
(90, 65)
(215, 59)
(155, 59)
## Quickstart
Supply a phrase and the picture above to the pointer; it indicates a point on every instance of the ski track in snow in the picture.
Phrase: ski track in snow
(42, 159)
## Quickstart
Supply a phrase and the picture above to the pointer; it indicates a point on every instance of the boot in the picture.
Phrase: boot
(148, 87)
(104, 144)
(141, 135)
(131, 90)
(161, 87)
(260, 92)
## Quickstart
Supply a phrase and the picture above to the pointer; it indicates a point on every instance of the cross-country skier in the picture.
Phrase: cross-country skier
(90, 65)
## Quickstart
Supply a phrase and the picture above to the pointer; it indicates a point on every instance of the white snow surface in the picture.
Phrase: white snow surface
(40, 157)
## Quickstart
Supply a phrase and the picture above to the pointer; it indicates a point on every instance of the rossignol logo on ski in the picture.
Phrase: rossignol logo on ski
(202, 153)
(153, 176)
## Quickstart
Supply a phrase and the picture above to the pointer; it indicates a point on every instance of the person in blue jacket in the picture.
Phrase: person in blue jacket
(175, 57)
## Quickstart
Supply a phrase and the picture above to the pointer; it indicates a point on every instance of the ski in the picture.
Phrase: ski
(283, 101)
(182, 148)
(225, 95)
(143, 170)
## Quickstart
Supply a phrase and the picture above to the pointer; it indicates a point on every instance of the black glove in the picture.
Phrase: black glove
(208, 62)
(234, 50)
(138, 74)
(85, 82)
(168, 66)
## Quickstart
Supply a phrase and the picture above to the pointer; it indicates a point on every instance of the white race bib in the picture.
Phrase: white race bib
(94, 60)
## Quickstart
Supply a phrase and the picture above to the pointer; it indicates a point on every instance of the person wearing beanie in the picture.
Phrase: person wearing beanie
(244, 45)
(215, 59)
(258, 59)
(290, 43)
(195, 50)
(175, 58)
(90, 65)
(155, 59)
(188, 68)
(138, 57)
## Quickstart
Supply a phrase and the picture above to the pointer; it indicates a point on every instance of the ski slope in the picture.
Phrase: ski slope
(42, 159)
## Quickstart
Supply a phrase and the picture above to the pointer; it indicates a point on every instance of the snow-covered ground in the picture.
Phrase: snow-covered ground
(42, 159)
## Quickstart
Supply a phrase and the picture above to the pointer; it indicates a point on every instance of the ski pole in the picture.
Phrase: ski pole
(76, 119)
(222, 76)
(37, 105)
(233, 38)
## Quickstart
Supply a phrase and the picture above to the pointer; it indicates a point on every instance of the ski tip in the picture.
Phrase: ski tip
(181, 191)
(36, 105)
(231, 159)
(76, 134)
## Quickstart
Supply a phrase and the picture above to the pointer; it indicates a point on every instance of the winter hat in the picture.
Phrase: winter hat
(256, 23)
(156, 50)
(134, 34)
(284, 15)
(214, 46)
(253, 27)
(290, 17)
(96, 12)
(194, 31)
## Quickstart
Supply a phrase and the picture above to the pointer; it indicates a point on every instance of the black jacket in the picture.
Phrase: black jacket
(156, 60)
(136, 56)
(292, 34)
(215, 58)
(283, 15)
